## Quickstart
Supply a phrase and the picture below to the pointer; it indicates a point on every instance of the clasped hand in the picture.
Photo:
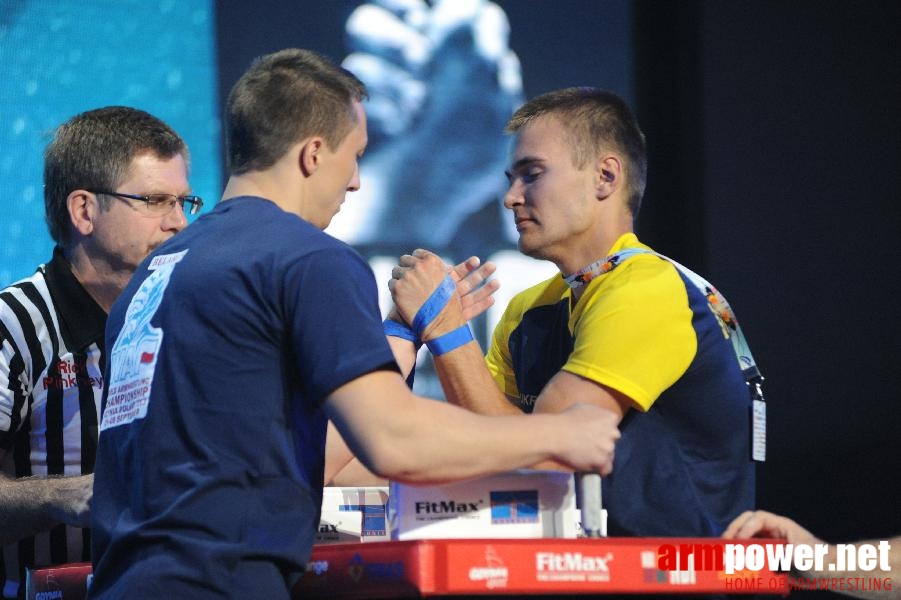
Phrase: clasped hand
(418, 274)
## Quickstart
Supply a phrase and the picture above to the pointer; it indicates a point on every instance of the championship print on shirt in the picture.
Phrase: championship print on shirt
(134, 354)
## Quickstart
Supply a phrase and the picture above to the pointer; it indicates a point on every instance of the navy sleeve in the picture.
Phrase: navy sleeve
(336, 326)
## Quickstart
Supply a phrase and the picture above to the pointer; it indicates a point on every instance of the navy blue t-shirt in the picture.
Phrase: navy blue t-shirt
(222, 350)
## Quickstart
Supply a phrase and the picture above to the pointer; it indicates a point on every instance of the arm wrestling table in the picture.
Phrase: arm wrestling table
(519, 567)
(502, 567)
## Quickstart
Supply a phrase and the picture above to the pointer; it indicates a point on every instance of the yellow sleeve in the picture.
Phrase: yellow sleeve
(498, 359)
(633, 331)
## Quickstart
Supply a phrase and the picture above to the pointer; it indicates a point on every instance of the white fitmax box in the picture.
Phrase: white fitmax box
(518, 504)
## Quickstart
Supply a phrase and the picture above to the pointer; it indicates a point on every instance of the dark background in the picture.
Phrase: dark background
(775, 146)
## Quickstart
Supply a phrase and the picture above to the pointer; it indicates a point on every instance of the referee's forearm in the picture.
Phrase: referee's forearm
(35, 504)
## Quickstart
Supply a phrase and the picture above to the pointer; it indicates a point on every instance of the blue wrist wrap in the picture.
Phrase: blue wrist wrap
(400, 330)
(450, 341)
(431, 307)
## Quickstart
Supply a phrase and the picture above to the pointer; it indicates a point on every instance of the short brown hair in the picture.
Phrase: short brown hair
(594, 120)
(283, 98)
(93, 150)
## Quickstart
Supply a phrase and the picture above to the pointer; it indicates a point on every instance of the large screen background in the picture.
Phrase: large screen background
(443, 78)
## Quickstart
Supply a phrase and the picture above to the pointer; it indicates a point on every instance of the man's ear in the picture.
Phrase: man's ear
(609, 175)
(83, 207)
(311, 155)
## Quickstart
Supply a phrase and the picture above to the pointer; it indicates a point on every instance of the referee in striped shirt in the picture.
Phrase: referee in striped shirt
(115, 187)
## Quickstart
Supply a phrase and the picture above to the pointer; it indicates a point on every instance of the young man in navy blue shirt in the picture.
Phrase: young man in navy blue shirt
(236, 342)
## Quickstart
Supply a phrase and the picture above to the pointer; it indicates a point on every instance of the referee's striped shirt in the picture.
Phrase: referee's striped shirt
(51, 381)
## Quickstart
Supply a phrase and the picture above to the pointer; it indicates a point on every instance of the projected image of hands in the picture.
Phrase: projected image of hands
(442, 82)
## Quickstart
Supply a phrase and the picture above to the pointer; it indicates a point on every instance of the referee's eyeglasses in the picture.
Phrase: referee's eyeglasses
(159, 204)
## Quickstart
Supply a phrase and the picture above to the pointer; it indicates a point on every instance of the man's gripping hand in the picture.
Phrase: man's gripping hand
(588, 437)
(474, 288)
(413, 281)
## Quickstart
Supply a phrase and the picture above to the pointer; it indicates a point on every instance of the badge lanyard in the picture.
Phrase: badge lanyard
(726, 317)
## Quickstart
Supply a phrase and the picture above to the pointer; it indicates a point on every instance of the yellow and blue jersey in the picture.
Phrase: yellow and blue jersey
(683, 464)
